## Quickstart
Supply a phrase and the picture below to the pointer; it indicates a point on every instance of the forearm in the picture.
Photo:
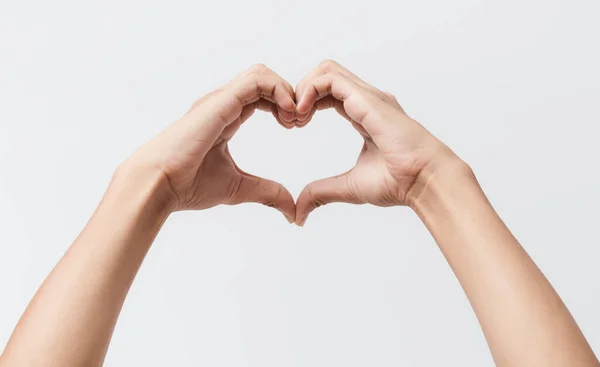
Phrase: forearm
(524, 320)
(71, 318)
(187, 167)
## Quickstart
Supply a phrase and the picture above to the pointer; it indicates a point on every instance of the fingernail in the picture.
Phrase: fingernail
(290, 220)
(301, 222)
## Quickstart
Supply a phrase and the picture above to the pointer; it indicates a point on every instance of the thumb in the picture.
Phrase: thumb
(255, 189)
(329, 190)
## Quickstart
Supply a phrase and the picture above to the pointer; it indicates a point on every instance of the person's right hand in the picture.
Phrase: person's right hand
(398, 154)
(193, 152)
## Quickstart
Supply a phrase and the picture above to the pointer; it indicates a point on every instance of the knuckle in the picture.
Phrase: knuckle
(271, 195)
(253, 78)
(308, 190)
(329, 64)
(390, 96)
(278, 193)
(259, 68)
(318, 202)
(313, 193)
(333, 74)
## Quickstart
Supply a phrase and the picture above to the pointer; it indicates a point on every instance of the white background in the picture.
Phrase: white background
(512, 86)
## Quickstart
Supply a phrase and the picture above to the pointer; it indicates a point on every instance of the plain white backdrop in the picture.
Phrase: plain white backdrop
(513, 87)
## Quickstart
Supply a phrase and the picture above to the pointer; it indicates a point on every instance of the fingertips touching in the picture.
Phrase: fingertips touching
(278, 197)
(318, 193)
(254, 189)
(303, 120)
(286, 205)
(284, 100)
(289, 118)
(261, 82)
(266, 106)
(305, 103)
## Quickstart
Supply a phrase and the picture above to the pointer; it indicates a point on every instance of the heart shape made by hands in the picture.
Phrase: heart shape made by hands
(395, 150)
(386, 167)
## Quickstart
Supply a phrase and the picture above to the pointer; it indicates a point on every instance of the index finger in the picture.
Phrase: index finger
(260, 82)
(330, 66)
(360, 105)
(212, 114)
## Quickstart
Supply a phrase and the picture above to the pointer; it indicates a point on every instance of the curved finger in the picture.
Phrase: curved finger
(323, 103)
(248, 111)
(269, 86)
(328, 66)
(325, 67)
(339, 88)
(329, 102)
(329, 84)
(217, 111)
(333, 66)
(266, 106)
(359, 104)
(253, 189)
(287, 115)
(263, 69)
(318, 193)
(226, 105)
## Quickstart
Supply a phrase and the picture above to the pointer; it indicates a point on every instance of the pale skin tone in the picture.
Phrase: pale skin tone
(71, 318)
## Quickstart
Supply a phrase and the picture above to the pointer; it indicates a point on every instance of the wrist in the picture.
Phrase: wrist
(438, 180)
(146, 186)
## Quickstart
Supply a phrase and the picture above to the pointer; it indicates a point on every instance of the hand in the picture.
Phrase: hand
(398, 152)
(193, 152)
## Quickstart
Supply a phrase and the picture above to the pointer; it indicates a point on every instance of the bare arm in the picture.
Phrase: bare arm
(524, 320)
(71, 318)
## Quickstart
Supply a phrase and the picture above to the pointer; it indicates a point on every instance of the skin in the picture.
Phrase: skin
(71, 318)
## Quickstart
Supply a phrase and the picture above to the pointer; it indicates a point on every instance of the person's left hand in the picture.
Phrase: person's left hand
(193, 152)
(398, 156)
